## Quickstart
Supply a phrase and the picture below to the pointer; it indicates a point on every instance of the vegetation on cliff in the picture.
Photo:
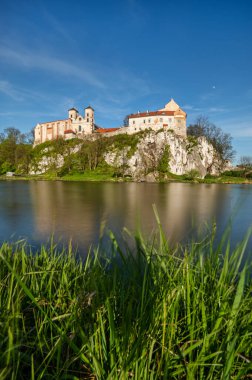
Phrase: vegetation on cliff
(153, 154)
(151, 312)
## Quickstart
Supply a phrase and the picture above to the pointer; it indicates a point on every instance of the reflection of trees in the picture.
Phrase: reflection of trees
(65, 210)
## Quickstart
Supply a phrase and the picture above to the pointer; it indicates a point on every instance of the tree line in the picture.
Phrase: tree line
(15, 151)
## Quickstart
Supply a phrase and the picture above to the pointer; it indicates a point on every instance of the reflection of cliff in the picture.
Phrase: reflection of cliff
(180, 206)
(76, 210)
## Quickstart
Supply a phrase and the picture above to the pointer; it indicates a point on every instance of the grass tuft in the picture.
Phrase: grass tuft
(154, 312)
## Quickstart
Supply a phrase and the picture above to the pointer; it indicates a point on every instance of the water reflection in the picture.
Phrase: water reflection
(75, 210)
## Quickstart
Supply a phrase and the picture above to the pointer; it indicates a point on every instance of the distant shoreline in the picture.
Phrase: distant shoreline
(83, 178)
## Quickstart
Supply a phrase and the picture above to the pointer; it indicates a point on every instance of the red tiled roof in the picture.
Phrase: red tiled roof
(69, 131)
(152, 113)
(105, 130)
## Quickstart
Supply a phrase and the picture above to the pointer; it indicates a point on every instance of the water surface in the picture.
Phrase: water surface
(35, 210)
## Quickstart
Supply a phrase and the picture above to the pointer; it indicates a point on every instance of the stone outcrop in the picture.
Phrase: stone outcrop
(142, 163)
(185, 155)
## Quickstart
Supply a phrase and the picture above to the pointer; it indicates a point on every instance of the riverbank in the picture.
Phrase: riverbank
(158, 313)
(101, 176)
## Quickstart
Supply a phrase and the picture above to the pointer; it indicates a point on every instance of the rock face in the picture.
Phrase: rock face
(184, 155)
(154, 153)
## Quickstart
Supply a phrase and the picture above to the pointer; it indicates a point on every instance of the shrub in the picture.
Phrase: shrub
(192, 174)
(163, 164)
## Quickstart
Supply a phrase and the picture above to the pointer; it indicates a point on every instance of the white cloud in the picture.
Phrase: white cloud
(190, 107)
(42, 61)
(237, 126)
(217, 109)
(7, 89)
(20, 94)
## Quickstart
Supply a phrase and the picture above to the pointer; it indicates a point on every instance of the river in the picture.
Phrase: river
(36, 210)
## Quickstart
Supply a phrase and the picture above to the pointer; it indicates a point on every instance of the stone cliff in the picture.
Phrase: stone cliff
(183, 156)
(143, 156)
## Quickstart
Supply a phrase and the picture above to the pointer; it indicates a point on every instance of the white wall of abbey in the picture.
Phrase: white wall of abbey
(137, 124)
(171, 117)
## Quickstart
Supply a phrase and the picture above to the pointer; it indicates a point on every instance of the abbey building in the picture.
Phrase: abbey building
(75, 125)
(171, 117)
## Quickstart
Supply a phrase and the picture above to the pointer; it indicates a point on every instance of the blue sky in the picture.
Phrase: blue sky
(121, 56)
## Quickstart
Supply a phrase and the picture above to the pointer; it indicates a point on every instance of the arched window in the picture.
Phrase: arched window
(79, 128)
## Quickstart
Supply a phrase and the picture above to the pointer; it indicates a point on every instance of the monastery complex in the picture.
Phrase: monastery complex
(171, 117)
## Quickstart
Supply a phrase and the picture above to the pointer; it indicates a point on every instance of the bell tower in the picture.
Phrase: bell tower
(89, 116)
(72, 113)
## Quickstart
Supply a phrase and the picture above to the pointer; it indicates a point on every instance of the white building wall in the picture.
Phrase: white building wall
(154, 122)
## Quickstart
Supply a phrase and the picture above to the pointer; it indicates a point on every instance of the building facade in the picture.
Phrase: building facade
(75, 125)
(171, 117)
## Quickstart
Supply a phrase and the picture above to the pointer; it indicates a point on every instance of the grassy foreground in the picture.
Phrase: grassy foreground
(155, 314)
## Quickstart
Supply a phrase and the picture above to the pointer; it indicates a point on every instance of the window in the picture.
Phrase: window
(144, 121)
(88, 119)
(79, 128)
(161, 119)
(87, 114)
(133, 122)
(149, 121)
(179, 121)
(170, 120)
(80, 118)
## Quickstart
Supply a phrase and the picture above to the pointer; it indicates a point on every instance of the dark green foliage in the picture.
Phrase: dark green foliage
(163, 164)
(15, 151)
(191, 175)
(210, 176)
(244, 173)
(234, 173)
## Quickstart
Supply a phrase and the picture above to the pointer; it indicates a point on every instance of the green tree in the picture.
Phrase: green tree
(15, 152)
(163, 165)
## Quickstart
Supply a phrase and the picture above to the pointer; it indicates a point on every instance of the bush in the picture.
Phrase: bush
(163, 165)
(192, 174)
(234, 173)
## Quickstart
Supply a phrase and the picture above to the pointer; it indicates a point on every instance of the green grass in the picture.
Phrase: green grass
(157, 313)
(226, 179)
(99, 174)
